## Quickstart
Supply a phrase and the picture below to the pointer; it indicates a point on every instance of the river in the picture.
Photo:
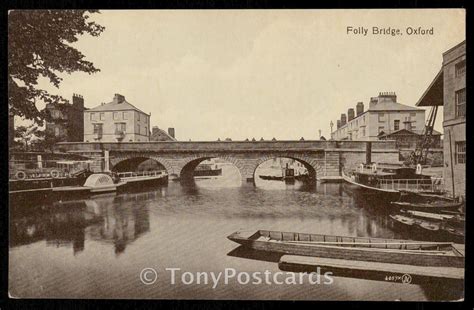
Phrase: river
(98, 247)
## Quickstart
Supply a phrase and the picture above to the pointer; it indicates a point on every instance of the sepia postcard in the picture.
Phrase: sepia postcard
(237, 154)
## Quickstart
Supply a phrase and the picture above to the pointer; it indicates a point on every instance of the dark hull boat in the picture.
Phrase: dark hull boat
(389, 182)
(435, 206)
(429, 226)
(410, 252)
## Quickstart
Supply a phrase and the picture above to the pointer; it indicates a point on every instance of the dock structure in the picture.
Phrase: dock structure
(387, 272)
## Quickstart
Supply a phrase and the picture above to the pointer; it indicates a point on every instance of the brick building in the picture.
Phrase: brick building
(448, 89)
(384, 116)
(67, 119)
(116, 121)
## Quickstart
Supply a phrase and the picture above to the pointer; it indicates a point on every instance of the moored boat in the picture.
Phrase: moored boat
(390, 181)
(352, 248)
(435, 206)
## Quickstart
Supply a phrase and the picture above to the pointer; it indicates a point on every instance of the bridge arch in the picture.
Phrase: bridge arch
(187, 170)
(312, 165)
(132, 162)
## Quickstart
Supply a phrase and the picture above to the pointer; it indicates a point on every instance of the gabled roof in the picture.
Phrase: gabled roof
(433, 95)
(113, 106)
(407, 132)
(161, 135)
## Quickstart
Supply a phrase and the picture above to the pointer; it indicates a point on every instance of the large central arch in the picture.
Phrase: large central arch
(311, 167)
(187, 171)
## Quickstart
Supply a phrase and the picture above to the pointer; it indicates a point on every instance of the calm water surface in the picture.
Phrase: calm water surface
(97, 247)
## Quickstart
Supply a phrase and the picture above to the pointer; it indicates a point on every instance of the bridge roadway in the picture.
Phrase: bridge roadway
(321, 158)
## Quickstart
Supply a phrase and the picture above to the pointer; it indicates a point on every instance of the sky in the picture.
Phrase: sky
(258, 73)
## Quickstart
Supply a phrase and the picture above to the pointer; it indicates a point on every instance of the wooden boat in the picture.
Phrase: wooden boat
(352, 248)
(429, 215)
(403, 220)
(435, 206)
(385, 272)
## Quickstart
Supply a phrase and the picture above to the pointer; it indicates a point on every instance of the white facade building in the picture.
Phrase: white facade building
(384, 116)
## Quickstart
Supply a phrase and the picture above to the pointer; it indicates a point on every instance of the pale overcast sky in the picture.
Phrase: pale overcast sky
(259, 73)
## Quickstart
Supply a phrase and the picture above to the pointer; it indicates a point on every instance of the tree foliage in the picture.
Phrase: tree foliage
(39, 44)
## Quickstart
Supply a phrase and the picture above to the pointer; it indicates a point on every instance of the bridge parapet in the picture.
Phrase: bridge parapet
(223, 146)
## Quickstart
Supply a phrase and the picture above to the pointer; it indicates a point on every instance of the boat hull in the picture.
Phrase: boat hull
(380, 194)
(349, 253)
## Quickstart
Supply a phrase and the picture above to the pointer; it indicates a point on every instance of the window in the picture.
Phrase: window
(92, 116)
(460, 99)
(381, 117)
(396, 124)
(138, 128)
(146, 132)
(124, 115)
(461, 152)
(102, 116)
(120, 127)
(138, 118)
(381, 128)
(363, 132)
(116, 115)
(98, 129)
(460, 68)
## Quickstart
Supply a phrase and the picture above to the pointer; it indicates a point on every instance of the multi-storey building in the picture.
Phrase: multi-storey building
(384, 116)
(448, 89)
(67, 120)
(116, 121)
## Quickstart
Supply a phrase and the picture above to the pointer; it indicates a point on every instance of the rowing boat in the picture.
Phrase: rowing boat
(395, 251)
(435, 206)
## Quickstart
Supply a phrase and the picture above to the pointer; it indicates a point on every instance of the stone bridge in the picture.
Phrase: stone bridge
(321, 158)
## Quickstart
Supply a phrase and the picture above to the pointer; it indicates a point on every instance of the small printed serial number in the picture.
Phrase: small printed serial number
(406, 278)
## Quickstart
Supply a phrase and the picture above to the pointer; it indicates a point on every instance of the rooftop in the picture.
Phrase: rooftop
(118, 103)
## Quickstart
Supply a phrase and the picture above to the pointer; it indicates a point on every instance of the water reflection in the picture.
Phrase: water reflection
(118, 220)
(182, 225)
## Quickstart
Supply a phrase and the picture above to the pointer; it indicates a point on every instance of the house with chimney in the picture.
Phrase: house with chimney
(385, 119)
(158, 134)
(66, 121)
(116, 121)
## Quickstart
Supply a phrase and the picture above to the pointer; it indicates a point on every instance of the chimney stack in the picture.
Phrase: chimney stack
(350, 114)
(78, 102)
(388, 96)
(118, 98)
(171, 132)
(154, 130)
(343, 119)
(338, 125)
(359, 108)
